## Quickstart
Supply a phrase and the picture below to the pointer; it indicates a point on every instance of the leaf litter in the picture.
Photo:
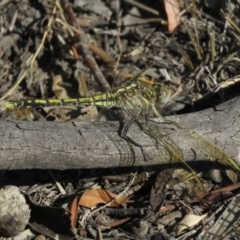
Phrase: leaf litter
(195, 49)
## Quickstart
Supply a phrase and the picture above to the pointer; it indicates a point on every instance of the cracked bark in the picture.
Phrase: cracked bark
(69, 145)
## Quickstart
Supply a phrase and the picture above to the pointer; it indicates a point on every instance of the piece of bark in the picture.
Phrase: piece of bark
(69, 145)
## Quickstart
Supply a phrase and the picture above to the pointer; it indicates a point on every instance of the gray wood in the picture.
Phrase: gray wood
(69, 145)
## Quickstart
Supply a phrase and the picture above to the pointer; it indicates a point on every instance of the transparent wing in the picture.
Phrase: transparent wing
(137, 103)
(203, 147)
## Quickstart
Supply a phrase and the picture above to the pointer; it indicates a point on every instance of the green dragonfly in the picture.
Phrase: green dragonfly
(139, 99)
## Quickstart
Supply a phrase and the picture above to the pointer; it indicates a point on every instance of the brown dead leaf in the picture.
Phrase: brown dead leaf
(172, 9)
(92, 197)
(73, 209)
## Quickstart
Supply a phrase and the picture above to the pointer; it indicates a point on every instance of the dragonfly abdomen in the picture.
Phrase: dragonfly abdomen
(106, 100)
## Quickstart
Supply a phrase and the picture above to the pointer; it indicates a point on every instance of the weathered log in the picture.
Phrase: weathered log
(69, 145)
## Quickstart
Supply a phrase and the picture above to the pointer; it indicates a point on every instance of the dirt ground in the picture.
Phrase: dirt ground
(60, 49)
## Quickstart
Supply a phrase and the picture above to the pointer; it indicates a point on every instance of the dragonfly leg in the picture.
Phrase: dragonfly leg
(123, 134)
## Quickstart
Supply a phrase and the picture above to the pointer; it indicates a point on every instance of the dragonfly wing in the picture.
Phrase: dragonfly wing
(203, 148)
(137, 107)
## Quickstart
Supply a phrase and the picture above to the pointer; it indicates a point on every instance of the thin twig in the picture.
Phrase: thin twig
(83, 47)
(142, 6)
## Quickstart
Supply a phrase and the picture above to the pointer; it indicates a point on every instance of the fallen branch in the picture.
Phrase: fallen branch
(69, 145)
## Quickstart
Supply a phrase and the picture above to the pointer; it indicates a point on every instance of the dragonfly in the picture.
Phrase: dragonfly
(139, 100)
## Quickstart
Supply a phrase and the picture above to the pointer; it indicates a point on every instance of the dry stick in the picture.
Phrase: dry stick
(119, 24)
(142, 6)
(83, 47)
(76, 28)
(101, 53)
(93, 48)
(89, 59)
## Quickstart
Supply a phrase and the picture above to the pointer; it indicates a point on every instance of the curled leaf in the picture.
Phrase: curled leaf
(187, 222)
(73, 209)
